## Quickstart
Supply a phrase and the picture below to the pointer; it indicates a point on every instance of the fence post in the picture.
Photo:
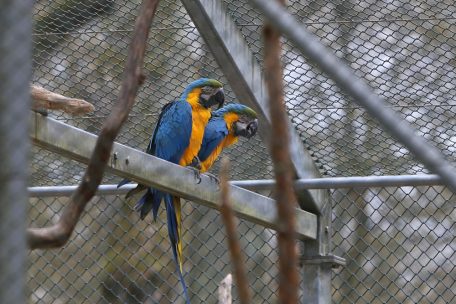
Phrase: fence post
(317, 260)
(15, 73)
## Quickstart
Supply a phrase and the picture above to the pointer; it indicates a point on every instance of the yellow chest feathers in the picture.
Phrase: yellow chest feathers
(200, 117)
(209, 161)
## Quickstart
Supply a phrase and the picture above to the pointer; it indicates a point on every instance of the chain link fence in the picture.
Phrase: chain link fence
(399, 243)
(116, 258)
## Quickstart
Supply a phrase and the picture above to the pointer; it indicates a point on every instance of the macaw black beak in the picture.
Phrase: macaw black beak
(252, 128)
(218, 97)
(246, 130)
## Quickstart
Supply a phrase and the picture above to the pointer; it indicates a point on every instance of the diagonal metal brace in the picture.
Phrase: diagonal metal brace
(143, 168)
(244, 74)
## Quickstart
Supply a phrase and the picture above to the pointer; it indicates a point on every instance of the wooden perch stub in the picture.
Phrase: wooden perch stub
(44, 99)
(224, 290)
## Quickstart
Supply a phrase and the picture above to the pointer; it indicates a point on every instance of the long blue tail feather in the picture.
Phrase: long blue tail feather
(174, 238)
(181, 277)
(156, 203)
(149, 201)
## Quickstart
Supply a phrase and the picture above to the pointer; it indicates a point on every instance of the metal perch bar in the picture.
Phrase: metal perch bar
(141, 167)
(347, 182)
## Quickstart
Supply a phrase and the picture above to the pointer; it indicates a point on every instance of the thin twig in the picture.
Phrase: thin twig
(58, 235)
(283, 170)
(231, 235)
(45, 99)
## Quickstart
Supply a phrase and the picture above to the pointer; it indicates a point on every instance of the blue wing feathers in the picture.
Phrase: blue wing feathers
(172, 134)
(151, 147)
(214, 133)
(170, 138)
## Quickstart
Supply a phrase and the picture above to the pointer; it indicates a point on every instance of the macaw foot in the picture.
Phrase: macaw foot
(197, 173)
(196, 163)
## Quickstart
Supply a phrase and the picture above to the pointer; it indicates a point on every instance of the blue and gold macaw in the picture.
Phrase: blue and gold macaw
(177, 138)
(224, 129)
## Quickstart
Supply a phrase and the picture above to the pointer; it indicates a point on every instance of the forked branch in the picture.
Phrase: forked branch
(58, 235)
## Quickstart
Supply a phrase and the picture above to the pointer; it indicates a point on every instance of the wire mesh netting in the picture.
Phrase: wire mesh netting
(399, 242)
(116, 258)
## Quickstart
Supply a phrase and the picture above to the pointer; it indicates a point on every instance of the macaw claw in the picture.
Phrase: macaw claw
(195, 165)
(213, 177)
(197, 173)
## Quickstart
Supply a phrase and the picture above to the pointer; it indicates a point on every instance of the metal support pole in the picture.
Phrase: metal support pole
(269, 184)
(358, 89)
(317, 261)
(15, 74)
(347, 182)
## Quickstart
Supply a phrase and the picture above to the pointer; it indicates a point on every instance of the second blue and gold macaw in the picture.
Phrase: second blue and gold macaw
(177, 138)
(224, 129)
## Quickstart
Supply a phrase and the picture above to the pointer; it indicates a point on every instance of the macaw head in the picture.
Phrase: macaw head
(244, 129)
(205, 91)
(243, 119)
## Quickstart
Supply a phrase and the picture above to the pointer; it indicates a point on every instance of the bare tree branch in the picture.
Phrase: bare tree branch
(44, 99)
(231, 235)
(283, 170)
(58, 235)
